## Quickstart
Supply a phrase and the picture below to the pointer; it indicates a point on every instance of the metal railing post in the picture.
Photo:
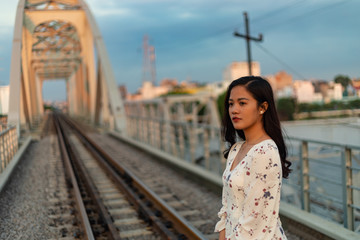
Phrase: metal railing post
(173, 139)
(2, 155)
(167, 126)
(7, 147)
(347, 190)
(305, 183)
(182, 141)
(206, 139)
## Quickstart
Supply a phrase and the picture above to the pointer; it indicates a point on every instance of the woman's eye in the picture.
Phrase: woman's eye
(242, 103)
(230, 104)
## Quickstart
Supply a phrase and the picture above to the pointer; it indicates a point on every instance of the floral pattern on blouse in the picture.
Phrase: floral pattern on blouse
(251, 194)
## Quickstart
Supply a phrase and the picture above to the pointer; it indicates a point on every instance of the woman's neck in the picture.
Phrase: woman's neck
(255, 136)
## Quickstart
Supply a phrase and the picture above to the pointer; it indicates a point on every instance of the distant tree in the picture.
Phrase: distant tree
(220, 103)
(354, 104)
(286, 108)
(343, 80)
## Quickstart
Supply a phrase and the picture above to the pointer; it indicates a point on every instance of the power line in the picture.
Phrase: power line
(306, 14)
(280, 61)
(259, 19)
(275, 11)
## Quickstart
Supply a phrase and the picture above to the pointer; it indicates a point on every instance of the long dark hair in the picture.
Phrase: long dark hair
(261, 90)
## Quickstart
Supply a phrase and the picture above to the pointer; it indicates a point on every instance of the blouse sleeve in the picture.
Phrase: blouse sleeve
(262, 195)
(220, 225)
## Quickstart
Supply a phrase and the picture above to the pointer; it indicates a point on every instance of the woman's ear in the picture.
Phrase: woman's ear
(263, 107)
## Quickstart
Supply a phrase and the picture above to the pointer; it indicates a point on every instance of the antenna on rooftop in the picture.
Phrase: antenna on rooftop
(149, 70)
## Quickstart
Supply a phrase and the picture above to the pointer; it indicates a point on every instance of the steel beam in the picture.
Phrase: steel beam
(56, 40)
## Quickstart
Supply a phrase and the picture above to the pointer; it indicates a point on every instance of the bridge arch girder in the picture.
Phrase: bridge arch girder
(37, 56)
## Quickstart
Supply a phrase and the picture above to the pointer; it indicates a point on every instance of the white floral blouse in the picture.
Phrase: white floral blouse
(251, 194)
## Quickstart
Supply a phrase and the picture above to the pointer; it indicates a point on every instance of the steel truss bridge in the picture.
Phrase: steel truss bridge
(59, 39)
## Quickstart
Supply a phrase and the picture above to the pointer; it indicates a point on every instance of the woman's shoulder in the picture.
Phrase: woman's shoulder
(269, 143)
(267, 147)
(266, 156)
(234, 148)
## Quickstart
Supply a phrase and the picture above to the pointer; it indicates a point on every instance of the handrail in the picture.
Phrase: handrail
(200, 144)
(8, 146)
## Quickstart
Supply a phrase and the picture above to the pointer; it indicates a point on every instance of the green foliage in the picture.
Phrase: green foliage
(50, 107)
(286, 108)
(343, 80)
(220, 103)
(333, 105)
(310, 107)
(175, 93)
(354, 104)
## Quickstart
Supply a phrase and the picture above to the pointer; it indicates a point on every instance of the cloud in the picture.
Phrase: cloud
(119, 12)
(6, 31)
(7, 14)
(187, 15)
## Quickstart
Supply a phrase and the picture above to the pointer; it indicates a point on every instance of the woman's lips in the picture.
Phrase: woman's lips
(236, 119)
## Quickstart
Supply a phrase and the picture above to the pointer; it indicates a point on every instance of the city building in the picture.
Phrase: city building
(305, 92)
(233, 71)
(317, 91)
(334, 92)
(240, 69)
(356, 85)
(149, 91)
(123, 91)
(4, 100)
(282, 84)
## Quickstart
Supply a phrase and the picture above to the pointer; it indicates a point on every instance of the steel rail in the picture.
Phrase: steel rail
(178, 222)
(79, 203)
(145, 209)
(90, 186)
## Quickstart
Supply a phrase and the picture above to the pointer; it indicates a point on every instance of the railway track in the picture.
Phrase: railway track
(113, 202)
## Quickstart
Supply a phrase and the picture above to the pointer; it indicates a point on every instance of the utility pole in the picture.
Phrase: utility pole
(248, 38)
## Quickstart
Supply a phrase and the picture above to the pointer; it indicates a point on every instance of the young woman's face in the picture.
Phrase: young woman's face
(243, 109)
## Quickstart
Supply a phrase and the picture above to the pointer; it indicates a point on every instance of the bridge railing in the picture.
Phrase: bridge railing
(199, 144)
(8, 146)
(325, 178)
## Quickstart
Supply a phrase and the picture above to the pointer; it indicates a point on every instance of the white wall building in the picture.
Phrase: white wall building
(240, 69)
(217, 88)
(149, 91)
(285, 92)
(305, 92)
(335, 91)
(233, 71)
(4, 99)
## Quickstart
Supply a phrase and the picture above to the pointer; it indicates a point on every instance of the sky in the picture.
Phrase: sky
(194, 41)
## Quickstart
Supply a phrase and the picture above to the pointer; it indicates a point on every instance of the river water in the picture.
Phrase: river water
(326, 197)
(340, 130)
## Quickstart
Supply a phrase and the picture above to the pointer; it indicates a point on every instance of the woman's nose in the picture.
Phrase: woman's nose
(234, 109)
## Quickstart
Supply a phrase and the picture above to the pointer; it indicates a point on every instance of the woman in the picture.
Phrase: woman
(255, 164)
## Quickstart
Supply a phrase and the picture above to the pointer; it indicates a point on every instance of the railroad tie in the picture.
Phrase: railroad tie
(176, 204)
(134, 233)
(112, 195)
(199, 223)
(115, 203)
(166, 195)
(120, 212)
(128, 221)
(187, 213)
